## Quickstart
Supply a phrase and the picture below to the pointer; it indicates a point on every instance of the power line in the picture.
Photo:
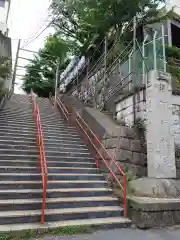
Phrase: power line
(34, 34)
(39, 25)
(34, 69)
(49, 24)
(39, 34)
(45, 54)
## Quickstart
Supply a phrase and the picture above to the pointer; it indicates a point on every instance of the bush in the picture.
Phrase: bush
(172, 52)
(3, 90)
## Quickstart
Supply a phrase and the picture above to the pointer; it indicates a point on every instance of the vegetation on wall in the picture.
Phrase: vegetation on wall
(173, 61)
(5, 67)
(5, 71)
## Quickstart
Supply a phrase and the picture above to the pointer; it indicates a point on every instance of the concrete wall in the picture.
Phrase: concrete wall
(176, 117)
(125, 108)
(4, 11)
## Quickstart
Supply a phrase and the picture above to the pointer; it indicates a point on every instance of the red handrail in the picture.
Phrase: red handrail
(101, 152)
(42, 157)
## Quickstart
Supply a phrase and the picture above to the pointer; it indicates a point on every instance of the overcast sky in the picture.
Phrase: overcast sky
(25, 18)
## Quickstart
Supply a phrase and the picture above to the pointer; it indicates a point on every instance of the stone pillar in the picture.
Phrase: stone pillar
(160, 139)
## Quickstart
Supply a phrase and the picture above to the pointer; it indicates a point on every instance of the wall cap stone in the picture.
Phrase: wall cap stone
(155, 187)
(154, 204)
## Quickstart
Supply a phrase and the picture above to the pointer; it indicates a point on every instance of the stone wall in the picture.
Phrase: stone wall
(134, 103)
(125, 144)
(125, 111)
(128, 147)
(102, 94)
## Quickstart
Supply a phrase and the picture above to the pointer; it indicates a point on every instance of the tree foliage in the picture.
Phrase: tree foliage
(80, 26)
(86, 22)
(5, 67)
(41, 72)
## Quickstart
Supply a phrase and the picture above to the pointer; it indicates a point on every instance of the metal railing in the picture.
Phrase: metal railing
(42, 157)
(99, 150)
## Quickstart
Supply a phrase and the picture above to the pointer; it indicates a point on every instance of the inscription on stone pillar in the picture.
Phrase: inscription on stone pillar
(160, 139)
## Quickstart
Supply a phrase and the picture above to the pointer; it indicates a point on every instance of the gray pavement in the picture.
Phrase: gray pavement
(125, 234)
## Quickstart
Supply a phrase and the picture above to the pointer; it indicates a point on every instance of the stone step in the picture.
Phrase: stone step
(68, 146)
(52, 184)
(14, 152)
(47, 140)
(49, 133)
(19, 127)
(22, 142)
(30, 156)
(100, 223)
(17, 118)
(24, 138)
(30, 169)
(62, 139)
(18, 133)
(69, 153)
(32, 124)
(14, 112)
(53, 121)
(57, 203)
(25, 146)
(50, 164)
(51, 176)
(17, 115)
(35, 151)
(56, 130)
(8, 217)
(17, 122)
(54, 193)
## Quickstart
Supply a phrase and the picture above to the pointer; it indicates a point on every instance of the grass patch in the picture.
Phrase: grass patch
(34, 234)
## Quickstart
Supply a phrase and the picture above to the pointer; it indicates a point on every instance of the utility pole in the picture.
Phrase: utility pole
(15, 66)
(105, 73)
(134, 65)
(105, 57)
(134, 34)
(56, 83)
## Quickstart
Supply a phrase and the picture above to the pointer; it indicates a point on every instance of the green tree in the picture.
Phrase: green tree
(80, 26)
(83, 22)
(40, 73)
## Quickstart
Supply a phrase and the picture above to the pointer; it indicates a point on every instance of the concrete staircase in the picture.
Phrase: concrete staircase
(77, 193)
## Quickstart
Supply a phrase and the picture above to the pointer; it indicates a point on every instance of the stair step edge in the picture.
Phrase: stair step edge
(52, 225)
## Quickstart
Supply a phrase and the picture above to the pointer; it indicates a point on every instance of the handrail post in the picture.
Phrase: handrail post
(125, 193)
(42, 158)
(154, 50)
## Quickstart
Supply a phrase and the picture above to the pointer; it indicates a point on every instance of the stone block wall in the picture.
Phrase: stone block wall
(128, 148)
(126, 106)
(124, 144)
(124, 111)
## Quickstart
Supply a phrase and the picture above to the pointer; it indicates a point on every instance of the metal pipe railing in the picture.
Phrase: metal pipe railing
(42, 157)
(89, 136)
